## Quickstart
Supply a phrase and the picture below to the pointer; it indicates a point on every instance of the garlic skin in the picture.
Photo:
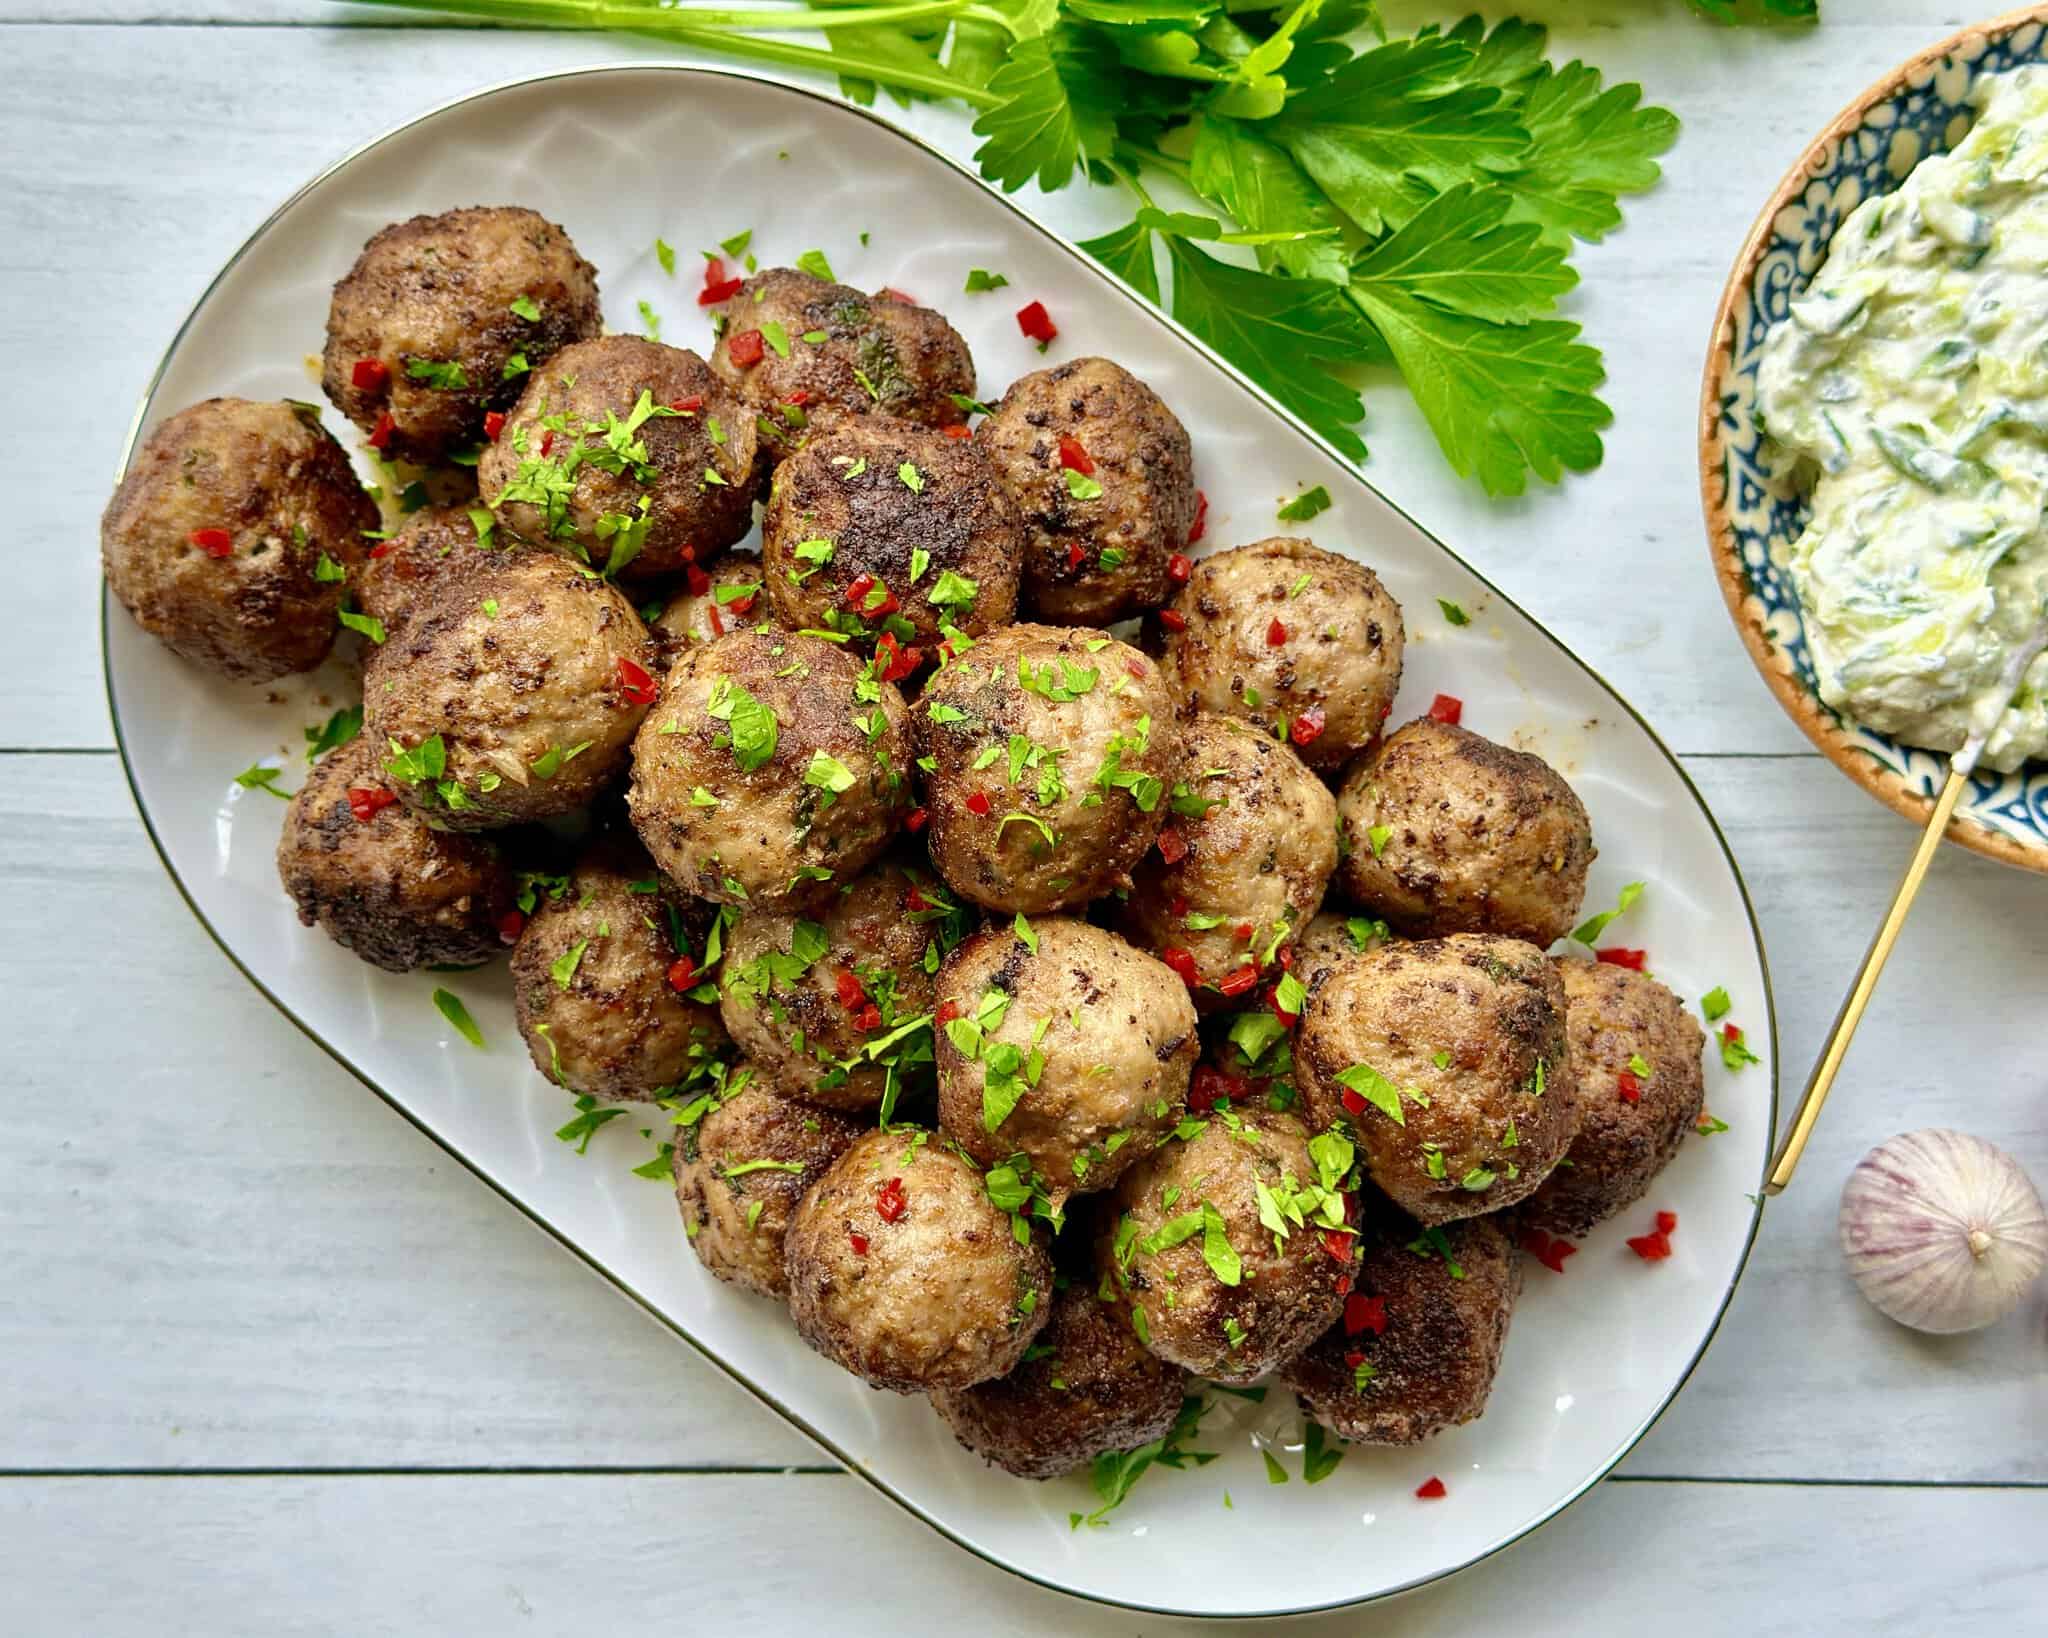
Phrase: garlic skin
(1942, 1231)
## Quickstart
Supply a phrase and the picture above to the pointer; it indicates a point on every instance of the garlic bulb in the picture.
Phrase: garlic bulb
(1942, 1231)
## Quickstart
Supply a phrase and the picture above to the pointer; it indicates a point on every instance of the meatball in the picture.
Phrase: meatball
(774, 768)
(804, 999)
(799, 349)
(1087, 1385)
(627, 454)
(380, 881)
(1241, 867)
(881, 512)
(1447, 832)
(511, 696)
(1420, 1341)
(435, 548)
(903, 1270)
(1334, 936)
(1636, 1053)
(1448, 1058)
(1212, 1287)
(698, 613)
(593, 983)
(743, 1158)
(1289, 636)
(441, 320)
(1051, 755)
(1104, 476)
(1064, 1044)
(230, 536)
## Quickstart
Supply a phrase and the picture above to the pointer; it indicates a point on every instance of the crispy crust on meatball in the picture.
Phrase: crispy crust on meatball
(1466, 1036)
(430, 300)
(798, 795)
(395, 891)
(518, 672)
(1109, 1031)
(1247, 873)
(579, 465)
(1431, 1362)
(1284, 1295)
(795, 994)
(902, 1269)
(1339, 649)
(1117, 433)
(282, 491)
(1103, 749)
(1616, 1019)
(736, 1211)
(590, 984)
(693, 614)
(436, 547)
(890, 498)
(1472, 837)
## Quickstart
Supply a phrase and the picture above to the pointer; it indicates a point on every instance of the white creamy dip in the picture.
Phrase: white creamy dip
(1914, 374)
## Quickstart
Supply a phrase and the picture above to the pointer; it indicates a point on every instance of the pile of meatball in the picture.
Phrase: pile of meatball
(1062, 985)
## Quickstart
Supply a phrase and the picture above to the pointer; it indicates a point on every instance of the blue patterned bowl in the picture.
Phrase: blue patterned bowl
(1754, 514)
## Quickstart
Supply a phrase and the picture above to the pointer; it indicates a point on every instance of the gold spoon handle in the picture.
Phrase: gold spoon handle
(1786, 1161)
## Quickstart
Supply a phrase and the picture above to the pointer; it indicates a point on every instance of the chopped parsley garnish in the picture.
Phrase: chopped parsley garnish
(664, 253)
(529, 309)
(1593, 926)
(776, 336)
(563, 968)
(828, 774)
(953, 591)
(1309, 503)
(452, 1009)
(589, 1118)
(1376, 1089)
(334, 733)
(1081, 486)
(256, 777)
(1319, 1457)
(1715, 1005)
(327, 571)
(813, 262)
(1453, 612)
(754, 725)
(913, 480)
(441, 376)
(367, 624)
(979, 279)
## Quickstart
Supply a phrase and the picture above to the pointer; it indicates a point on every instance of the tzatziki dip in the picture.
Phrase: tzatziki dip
(1913, 374)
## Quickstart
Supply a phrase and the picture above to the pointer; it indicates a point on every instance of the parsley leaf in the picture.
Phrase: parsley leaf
(1593, 926)
(1309, 503)
(979, 278)
(1057, 98)
(754, 725)
(452, 1009)
(813, 262)
(334, 733)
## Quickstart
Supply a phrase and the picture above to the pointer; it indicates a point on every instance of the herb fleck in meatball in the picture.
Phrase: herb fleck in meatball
(436, 547)
(1104, 476)
(1051, 756)
(1636, 1053)
(798, 349)
(512, 696)
(1212, 1285)
(819, 1006)
(1447, 832)
(1240, 867)
(1065, 1045)
(230, 536)
(903, 1270)
(379, 881)
(743, 1158)
(724, 595)
(1421, 1335)
(775, 768)
(884, 526)
(442, 319)
(603, 982)
(1448, 1058)
(1292, 637)
(627, 454)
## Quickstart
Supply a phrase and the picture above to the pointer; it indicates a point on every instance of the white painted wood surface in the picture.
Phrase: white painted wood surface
(229, 1265)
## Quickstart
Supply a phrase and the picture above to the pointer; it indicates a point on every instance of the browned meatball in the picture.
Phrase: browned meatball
(1241, 866)
(627, 454)
(818, 1006)
(902, 1269)
(1065, 1045)
(1448, 1058)
(1297, 639)
(743, 1158)
(381, 882)
(1417, 1351)
(1636, 1053)
(774, 769)
(1212, 1287)
(513, 695)
(442, 319)
(436, 547)
(591, 982)
(1335, 936)
(1103, 473)
(798, 349)
(231, 534)
(1051, 756)
(881, 511)
(1447, 832)
(724, 595)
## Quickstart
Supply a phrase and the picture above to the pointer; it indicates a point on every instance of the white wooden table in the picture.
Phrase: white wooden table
(270, 1362)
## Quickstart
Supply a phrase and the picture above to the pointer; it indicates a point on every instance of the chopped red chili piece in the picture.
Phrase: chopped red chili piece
(369, 374)
(915, 901)
(714, 269)
(698, 581)
(1179, 567)
(948, 1011)
(1183, 963)
(1629, 1087)
(1172, 620)
(712, 294)
(1178, 904)
(717, 624)
(367, 801)
(858, 588)
(1731, 1033)
(958, 431)
(1173, 847)
(894, 663)
(510, 925)
(978, 804)
(1363, 1313)
(1075, 458)
(1209, 1085)
(1276, 634)
(1343, 1285)
(1447, 708)
(890, 1200)
(799, 397)
(1136, 668)
(1200, 526)
(1307, 727)
(882, 610)
(860, 1244)
(870, 1019)
(744, 349)
(494, 423)
(1243, 930)
(1240, 982)
(1550, 1253)
(1287, 959)
(689, 405)
(547, 442)
(851, 995)
(1667, 1222)
(1339, 1245)
(904, 296)
(385, 427)
(1652, 1248)
(1615, 956)
(381, 549)
(1431, 1490)
(213, 542)
(683, 974)
(914, 820)
(1037, 323)
(1075, 556)
(635, 683)
(743, 605)
(1353, 1102)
